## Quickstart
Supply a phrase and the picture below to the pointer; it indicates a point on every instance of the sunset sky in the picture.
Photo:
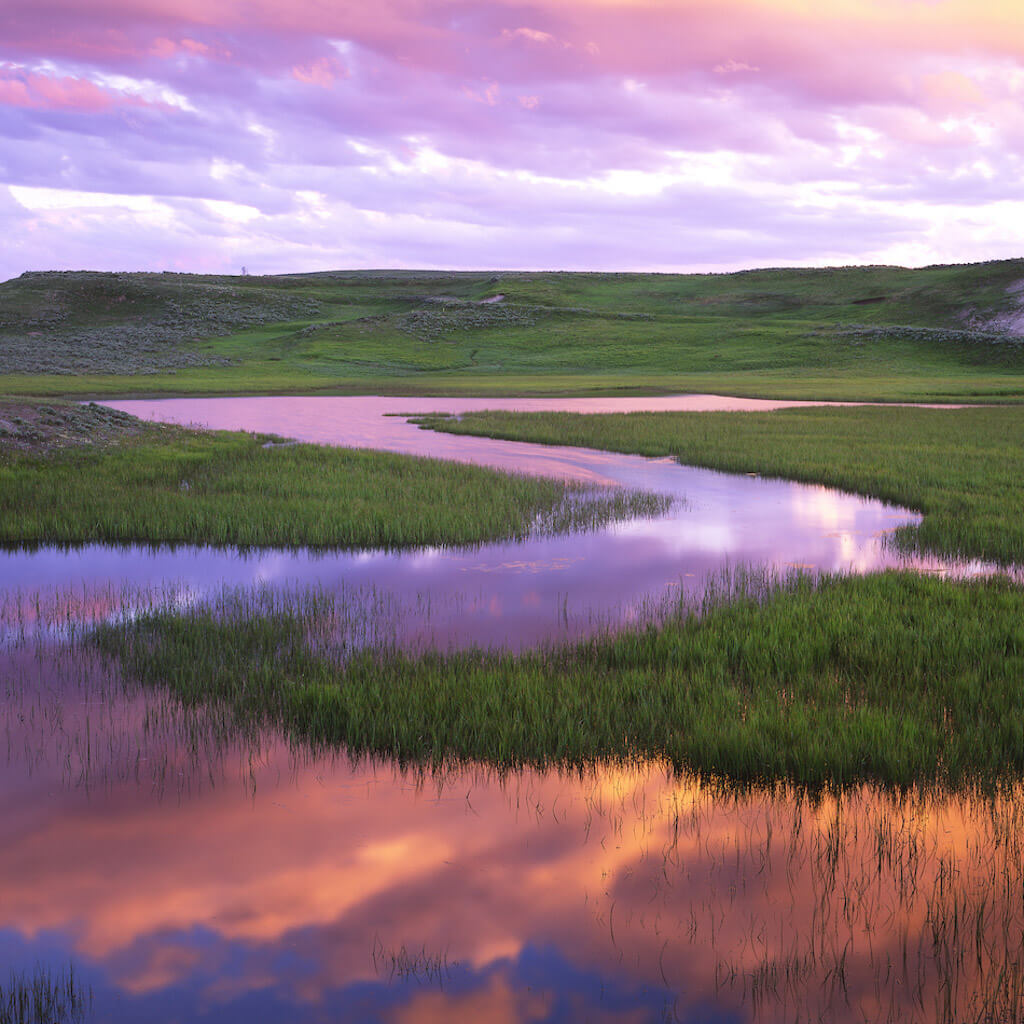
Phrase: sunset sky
(289, 135)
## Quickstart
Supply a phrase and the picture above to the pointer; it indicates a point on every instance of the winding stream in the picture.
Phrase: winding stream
(507, 594)
(190, 874)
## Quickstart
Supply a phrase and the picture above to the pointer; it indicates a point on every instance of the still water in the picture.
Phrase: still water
(513, 594)
(189, 874)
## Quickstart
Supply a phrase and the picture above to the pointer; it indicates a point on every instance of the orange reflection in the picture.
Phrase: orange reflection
(861, 906)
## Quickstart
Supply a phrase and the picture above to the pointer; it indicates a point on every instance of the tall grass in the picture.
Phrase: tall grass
(214, 488)
(44, 996)
(896, 678)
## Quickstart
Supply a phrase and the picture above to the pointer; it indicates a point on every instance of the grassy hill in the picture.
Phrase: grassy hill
(938, 333)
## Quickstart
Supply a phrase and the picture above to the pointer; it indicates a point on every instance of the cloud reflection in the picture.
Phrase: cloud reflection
(614, 893)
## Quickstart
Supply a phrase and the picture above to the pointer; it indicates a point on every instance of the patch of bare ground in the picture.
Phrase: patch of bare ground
(1010, 321)
(37, 428)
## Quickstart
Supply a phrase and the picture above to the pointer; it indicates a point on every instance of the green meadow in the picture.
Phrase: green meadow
(868, 333)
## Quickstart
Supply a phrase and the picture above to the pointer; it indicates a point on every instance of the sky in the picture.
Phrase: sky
(661, 135)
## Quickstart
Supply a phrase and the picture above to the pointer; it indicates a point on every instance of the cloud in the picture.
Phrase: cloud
(531, 34)
(323, 72)
(66, 92)
(256, 102)
(733, 67)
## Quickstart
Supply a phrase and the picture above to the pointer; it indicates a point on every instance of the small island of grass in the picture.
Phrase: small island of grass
(86, 474)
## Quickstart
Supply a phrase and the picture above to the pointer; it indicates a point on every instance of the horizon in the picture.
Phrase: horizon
(485, 270)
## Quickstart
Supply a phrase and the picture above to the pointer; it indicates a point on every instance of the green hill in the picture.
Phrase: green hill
(938, 333)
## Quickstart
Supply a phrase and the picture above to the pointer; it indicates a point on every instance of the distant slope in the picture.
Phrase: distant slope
(129, 323)
(884, 332)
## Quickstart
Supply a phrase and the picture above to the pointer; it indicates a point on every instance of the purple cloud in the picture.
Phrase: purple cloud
(430, 132)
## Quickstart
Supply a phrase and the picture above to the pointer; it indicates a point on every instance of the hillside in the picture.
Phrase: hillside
(861, 332)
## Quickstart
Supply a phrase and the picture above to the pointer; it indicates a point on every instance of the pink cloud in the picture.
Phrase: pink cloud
(488, 95)
(163, 48)
(218, 99)
(40, 92)
(531, 34)
(323, 72)
(733, 67)
(951, 92)
(811, 54)
(166, 48)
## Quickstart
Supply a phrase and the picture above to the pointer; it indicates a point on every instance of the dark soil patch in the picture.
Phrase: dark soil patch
(36, 428)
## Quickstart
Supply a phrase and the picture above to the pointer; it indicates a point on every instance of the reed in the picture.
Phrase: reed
(44, 996)
(896, 678)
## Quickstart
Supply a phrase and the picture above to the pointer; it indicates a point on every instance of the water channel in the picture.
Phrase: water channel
(189, 874)
(512, 594)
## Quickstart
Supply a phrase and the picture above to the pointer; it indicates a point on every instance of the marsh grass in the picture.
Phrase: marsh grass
(896, 678)
(164, 485)
(44, 996)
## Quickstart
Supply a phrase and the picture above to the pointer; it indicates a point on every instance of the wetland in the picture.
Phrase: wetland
(699, 715)
(196, 853)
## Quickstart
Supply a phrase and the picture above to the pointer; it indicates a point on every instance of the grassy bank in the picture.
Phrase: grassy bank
(964, 469)
(882, 333)
(71, 474)
(896, 678)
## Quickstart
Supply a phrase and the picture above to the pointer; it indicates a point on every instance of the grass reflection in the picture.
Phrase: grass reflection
(44, 996)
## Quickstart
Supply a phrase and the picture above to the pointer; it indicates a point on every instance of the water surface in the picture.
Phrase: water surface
(192, 874)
